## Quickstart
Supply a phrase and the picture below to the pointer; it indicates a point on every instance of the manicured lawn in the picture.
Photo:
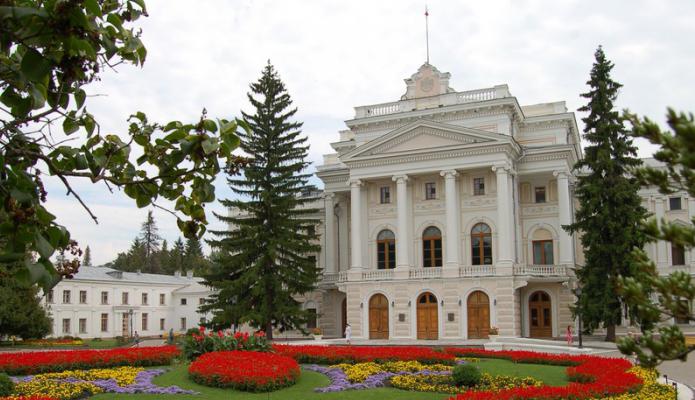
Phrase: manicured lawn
(549, 374)
(304, 389)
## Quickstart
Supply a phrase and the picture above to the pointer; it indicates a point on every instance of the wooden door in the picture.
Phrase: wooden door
(478, 307)
(427, 317)
(540, 315)
(343, 313)
(378, 317)
(126, 324)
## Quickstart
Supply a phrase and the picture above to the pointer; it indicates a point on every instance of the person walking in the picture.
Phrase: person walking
(348, 333)
(171, 336)
(569, 336)
(136, 339)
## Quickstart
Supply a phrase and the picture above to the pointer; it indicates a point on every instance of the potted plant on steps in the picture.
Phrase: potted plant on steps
(493, 334)
(318, 334)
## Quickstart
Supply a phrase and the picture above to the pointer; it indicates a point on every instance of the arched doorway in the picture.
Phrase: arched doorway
(478, 304)
(378, 317)
(540, 315)
(427, 317)
(343, 317)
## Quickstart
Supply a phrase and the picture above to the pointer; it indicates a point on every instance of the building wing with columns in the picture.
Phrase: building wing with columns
(442, 217)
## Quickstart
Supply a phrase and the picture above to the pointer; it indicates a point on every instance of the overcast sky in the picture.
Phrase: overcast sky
(334, 55)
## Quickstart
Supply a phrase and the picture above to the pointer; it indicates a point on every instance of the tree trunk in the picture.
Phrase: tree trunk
(269, 330)
(610, 333)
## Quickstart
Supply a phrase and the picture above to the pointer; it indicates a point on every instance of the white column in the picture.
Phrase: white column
(402, 237)
(356, 224)
(329, 235)
(504, 218)
(451, 246)
(661, 249)
(564, 216)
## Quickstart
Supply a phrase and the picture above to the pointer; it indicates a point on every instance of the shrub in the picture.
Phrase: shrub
(6, 385)
(466, 375)
(202, 342)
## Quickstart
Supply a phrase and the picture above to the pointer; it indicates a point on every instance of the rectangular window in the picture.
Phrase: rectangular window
(144, 321)
(674, 203)
(201, 301)
(124, 298)
(183, 324)
(384, 195)
(50, 296)
(543, 252)
(162, 298)
(104, 297)
(66, 325)
(386, 254)
(83, 325)
(83, 297)
(104, 322)
(478, 186)
(311, 323)
(430, 191)
(66, 297)
(184, 302)
(161, 324)
(144, 299)
(677, 255)
(540, 194)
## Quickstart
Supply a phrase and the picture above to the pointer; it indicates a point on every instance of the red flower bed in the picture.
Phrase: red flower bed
(51, 361)
(244, 370)
(591, 376)
(28, 398)
(354, 354)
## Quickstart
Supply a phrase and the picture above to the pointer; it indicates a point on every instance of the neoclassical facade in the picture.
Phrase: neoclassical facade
(442, 216)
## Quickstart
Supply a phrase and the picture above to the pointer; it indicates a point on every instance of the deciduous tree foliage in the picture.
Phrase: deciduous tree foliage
(674, 293)
(264, 261)
(49, 51)
(610, 211)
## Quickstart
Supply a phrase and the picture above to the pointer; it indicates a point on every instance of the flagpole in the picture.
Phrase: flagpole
(427, 34)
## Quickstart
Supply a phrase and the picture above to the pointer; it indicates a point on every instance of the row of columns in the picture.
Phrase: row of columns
(505, 221)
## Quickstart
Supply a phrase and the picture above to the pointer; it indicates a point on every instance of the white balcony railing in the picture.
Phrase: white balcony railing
(378, 275)
(432, 272)
(476, 270)
(448, 99)
(541, 270)
(335, 277)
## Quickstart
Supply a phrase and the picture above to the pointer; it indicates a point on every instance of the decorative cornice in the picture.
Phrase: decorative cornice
(502, 148)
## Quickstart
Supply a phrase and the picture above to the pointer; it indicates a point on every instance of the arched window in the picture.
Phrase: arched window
(386, 250)
(432, 247)
(481, 244)
(542, 247)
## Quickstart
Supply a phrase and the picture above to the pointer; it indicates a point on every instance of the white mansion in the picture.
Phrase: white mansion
(101, 302)
(441, 217)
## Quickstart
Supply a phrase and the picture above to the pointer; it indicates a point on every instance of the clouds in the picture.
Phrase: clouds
(334, 55)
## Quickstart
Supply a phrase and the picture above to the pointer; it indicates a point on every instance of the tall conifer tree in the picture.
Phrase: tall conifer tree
(610, 212)
(264, 261)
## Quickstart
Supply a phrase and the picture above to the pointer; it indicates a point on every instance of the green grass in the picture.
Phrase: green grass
(88, 343)
(549, 374)
(304, 389)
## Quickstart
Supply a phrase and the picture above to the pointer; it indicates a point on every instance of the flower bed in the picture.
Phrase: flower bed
(52, 361)
(78, 384)
(353, 354)
(245, 370)
(204, 341)
(28, 398)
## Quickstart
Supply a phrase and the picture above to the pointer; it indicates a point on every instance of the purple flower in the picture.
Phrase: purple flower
(340, 382)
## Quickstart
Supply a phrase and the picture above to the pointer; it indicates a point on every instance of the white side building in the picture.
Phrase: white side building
(101, 302)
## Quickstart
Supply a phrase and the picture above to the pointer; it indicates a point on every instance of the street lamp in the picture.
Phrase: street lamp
(578, 293)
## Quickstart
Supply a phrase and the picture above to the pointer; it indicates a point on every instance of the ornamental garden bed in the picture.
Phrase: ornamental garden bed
(352, 372)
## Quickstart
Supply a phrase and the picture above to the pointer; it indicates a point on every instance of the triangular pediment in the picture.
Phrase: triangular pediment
(424, 135)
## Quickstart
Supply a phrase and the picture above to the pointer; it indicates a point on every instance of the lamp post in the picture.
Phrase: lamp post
(578, 293)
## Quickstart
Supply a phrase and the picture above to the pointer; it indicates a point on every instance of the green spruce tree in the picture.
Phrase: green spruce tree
(264, 261)
(149, 237)
(87, 257)
(194, 259)
(610, 212)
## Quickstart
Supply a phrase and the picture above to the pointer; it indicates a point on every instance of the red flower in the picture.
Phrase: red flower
(244, 370)
(201, 329)
(50, 361)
